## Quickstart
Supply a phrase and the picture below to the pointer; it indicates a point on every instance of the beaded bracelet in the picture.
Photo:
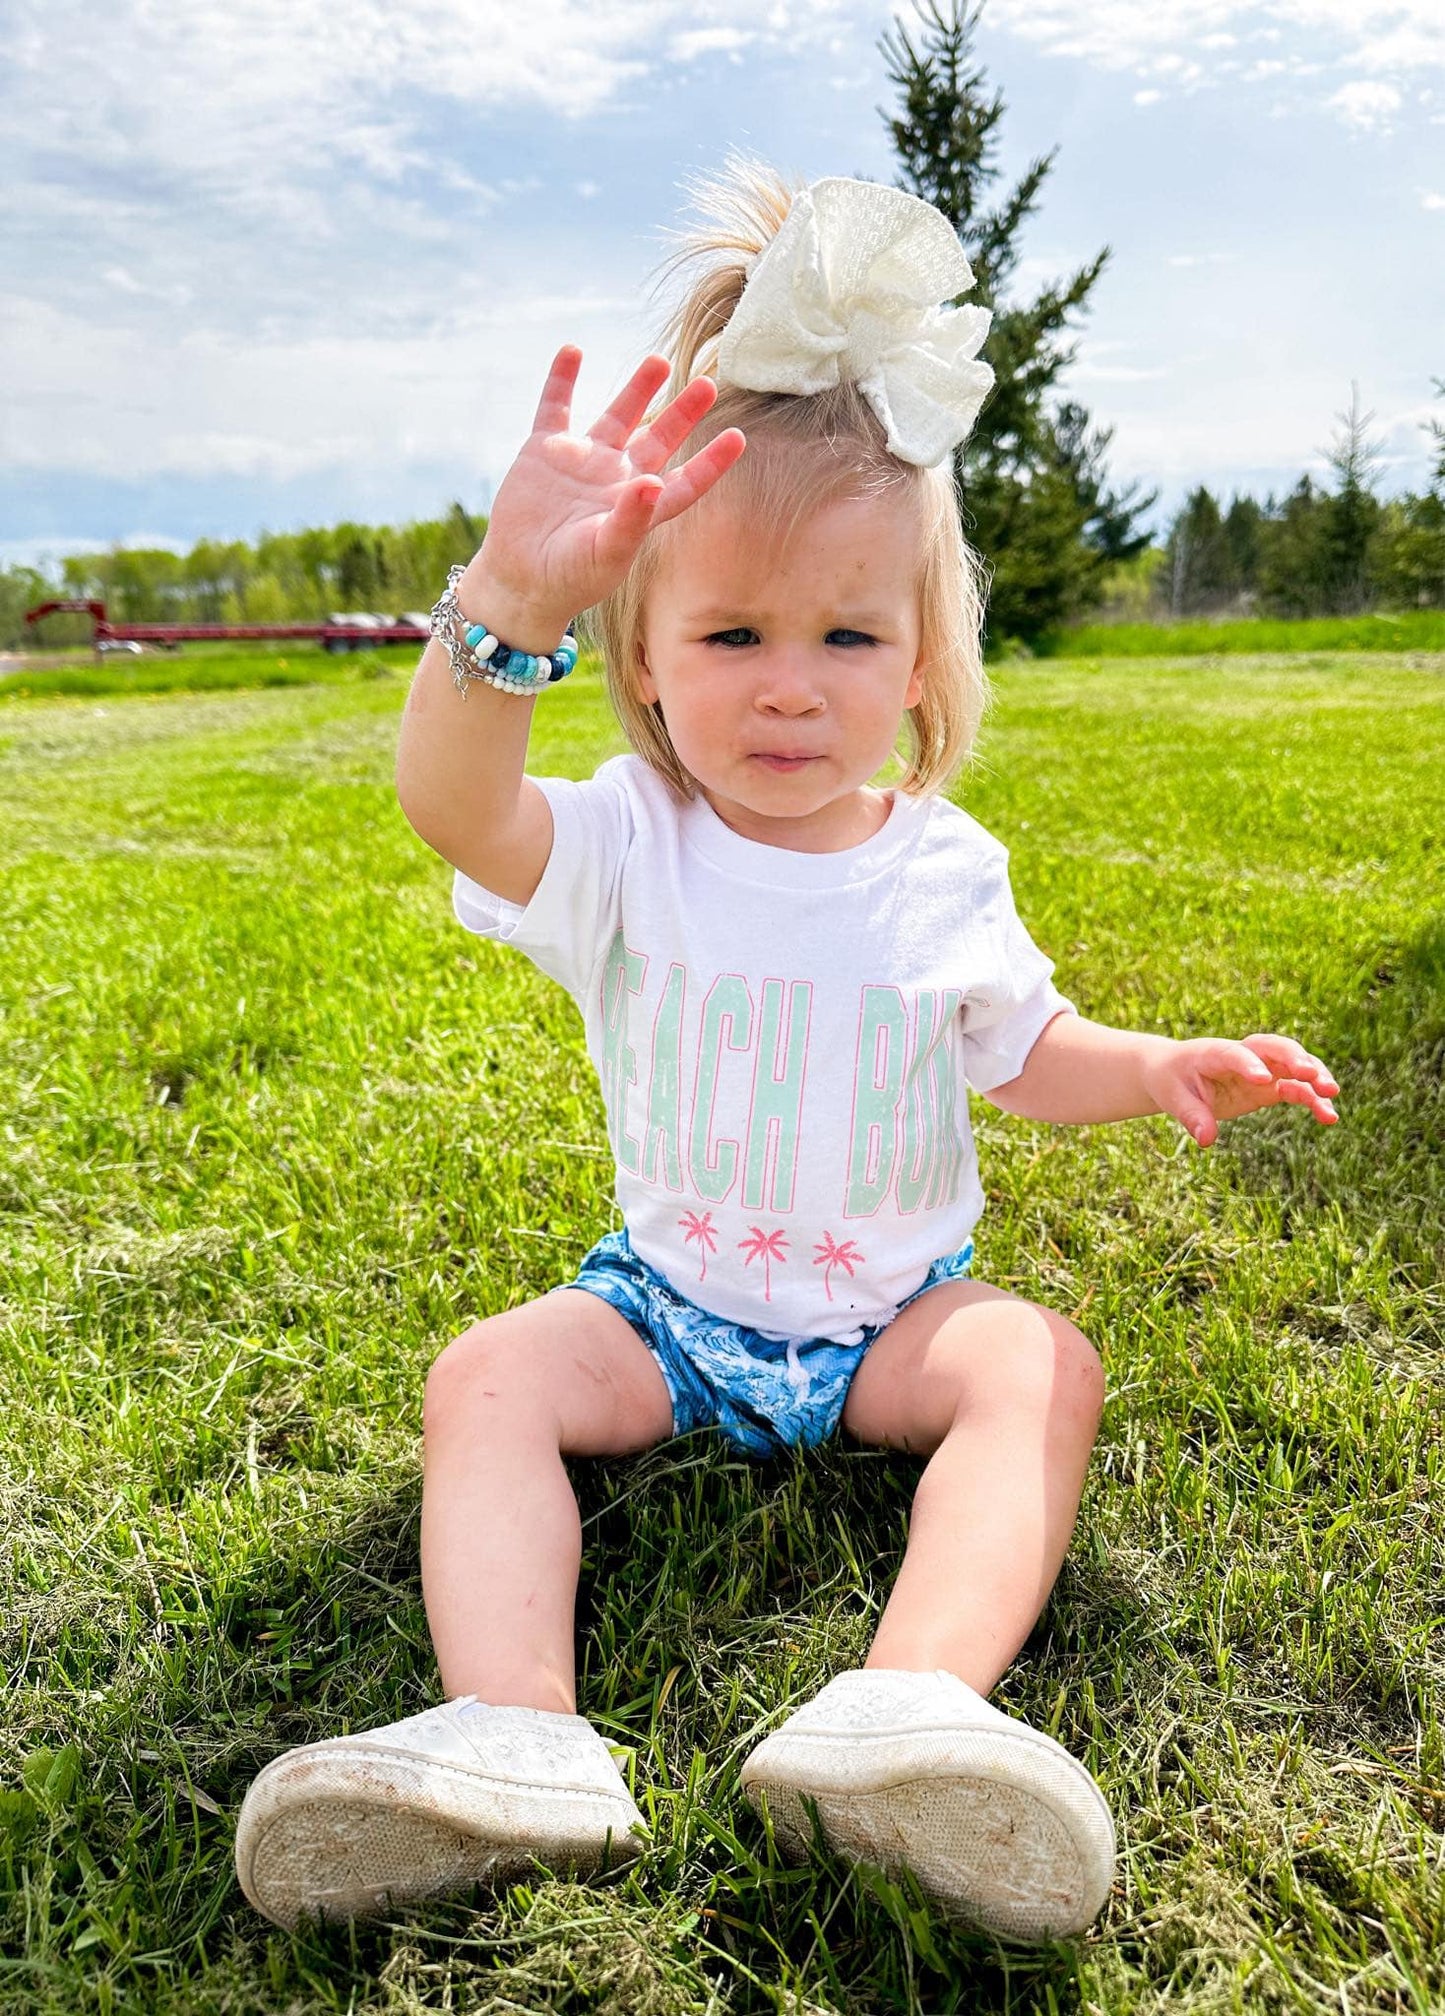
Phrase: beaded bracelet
(474, 653)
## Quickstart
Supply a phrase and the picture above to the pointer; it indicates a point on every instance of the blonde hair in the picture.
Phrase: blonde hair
(803, 451)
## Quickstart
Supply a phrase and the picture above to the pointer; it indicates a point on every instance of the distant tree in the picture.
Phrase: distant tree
(1437, 433)
(355, 568)
(208, 570)
(21, 588)
(1201, 571)
(1408, 556)
(284, 576)
(1292, 564)
(1242, 536)
(466, 530)
(1351, 516)
(1035, 497)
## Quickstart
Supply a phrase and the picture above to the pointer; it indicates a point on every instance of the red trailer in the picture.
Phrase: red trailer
(338, 633)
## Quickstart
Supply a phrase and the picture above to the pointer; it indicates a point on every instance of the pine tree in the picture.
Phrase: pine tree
(1036, 501)
(1437, 434)
(1351, 516)
(1408, 557)
(1243, 537)
(1291, 566)
(1200, 571)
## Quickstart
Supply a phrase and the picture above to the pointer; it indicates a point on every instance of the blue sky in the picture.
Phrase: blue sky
(267, 263)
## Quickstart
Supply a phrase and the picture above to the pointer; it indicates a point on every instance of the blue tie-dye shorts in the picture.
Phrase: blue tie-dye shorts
(766, 1394)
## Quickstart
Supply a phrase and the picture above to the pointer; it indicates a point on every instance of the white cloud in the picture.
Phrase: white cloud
(126, 283)
(706, 42)
(346, 402)
(261, 240)
(1370, 107)
(1379, 38)
(170, 138)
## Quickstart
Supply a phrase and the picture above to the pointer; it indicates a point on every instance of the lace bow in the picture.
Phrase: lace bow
(851, 289)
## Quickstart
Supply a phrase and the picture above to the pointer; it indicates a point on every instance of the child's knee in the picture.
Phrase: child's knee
(1052, 1368)
(485, 1370)
(1083, 1369)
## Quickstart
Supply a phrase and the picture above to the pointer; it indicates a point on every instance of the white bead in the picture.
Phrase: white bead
(485, 649)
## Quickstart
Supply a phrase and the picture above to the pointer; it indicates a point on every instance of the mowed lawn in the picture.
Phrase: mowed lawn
(275, 1128)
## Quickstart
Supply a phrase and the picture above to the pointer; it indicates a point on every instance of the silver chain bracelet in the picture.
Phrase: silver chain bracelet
(474, 653)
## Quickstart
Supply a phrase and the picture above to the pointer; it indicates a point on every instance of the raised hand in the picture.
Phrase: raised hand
(1209, 1079)
(574, 509)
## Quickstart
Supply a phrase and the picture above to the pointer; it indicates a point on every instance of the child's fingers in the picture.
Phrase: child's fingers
(1294, 1092)
(685, 485)
(672, 425)
(1217, 1058)
(1291, 1059)
(634, 513)
(1195, 1115)
(554, 409)
(616, 427)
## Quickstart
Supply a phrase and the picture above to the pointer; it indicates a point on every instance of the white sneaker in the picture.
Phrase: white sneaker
(433, 1803)
(1001, 1826)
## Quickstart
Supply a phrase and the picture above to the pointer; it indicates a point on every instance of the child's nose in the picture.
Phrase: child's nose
(788, 684)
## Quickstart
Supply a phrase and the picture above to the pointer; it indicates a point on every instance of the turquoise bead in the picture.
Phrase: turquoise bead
(475, 635)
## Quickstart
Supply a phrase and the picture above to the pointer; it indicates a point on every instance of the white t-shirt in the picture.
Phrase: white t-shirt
(784, 1040)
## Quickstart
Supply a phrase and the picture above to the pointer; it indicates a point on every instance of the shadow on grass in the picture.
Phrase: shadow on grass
(748, 1584)
(1383, 1167)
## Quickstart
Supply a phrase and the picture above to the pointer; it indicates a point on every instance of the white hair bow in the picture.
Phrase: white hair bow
(851, 289)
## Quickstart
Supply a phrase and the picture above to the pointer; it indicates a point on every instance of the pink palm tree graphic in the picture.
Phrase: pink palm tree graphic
(704, 1231)
(770, 1245)
(829, 1254)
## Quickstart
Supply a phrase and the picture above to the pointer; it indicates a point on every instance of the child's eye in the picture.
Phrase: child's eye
(740, 638)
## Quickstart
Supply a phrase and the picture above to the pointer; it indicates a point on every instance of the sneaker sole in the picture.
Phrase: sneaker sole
(1009, 1833)
(354, 1832)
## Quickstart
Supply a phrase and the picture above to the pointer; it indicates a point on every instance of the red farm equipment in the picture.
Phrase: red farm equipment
(337, 633)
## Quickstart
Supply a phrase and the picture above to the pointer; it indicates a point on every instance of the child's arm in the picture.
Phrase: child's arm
(566, 526)
(1080, 1071)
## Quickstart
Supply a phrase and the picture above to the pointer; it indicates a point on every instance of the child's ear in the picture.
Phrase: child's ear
(646, 684)
(913, 692)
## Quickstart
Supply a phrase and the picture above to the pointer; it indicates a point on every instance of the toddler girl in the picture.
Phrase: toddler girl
(789, 978)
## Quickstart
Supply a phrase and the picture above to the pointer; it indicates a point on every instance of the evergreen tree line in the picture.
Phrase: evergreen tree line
(1333, 549)
(1322, 550)
(1038, 503)
(285, 576)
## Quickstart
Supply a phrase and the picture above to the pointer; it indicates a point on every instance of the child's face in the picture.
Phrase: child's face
(783, 676)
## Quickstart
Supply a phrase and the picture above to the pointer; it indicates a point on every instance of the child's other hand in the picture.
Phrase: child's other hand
(573, 509)
(1210, 1079)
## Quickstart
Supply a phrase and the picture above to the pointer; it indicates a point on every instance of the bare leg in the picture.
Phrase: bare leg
(501, 1537)
(1004, 1397)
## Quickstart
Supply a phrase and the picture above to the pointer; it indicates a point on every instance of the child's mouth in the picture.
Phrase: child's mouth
(782, 762)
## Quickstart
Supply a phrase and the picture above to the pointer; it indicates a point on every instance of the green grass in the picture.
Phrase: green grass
(1418, 630)
(274, 1129)
(208, 668)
